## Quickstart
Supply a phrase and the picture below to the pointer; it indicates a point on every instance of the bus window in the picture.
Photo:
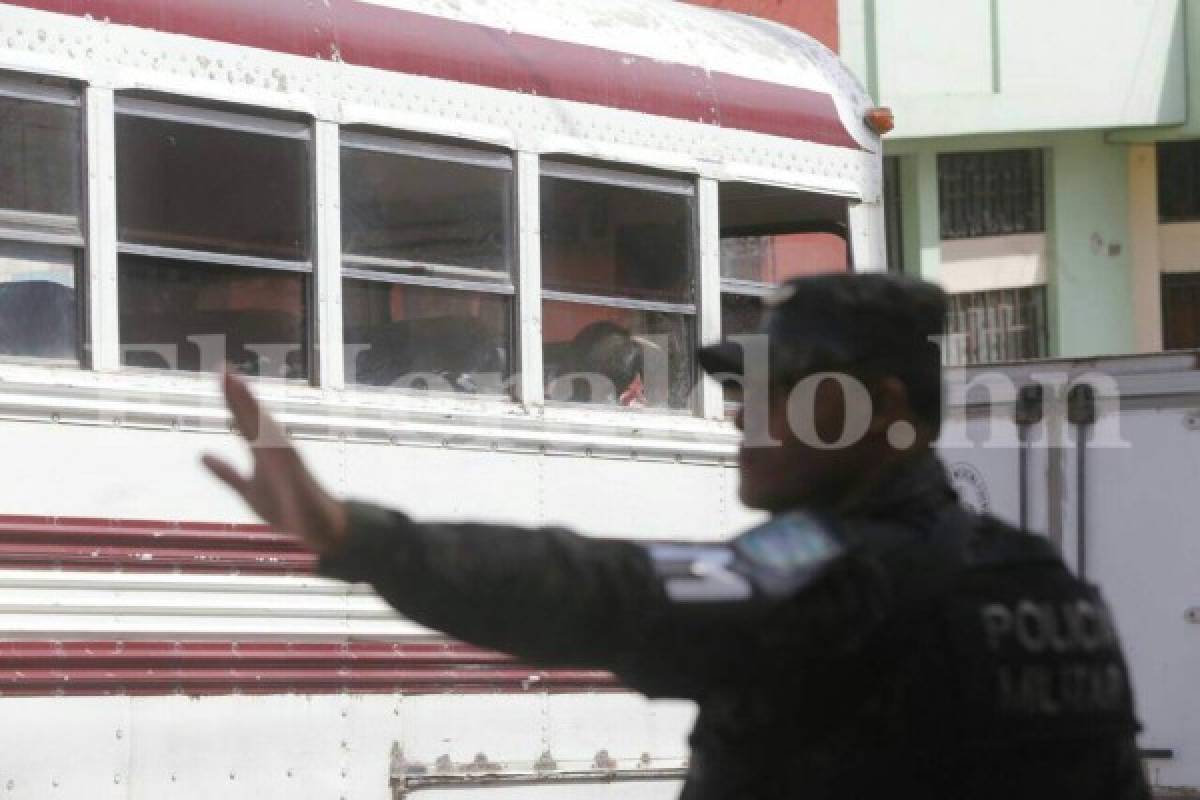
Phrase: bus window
(213, 217)
(750, 265)
(618, 280)
(769, 235)
(41, 235)
(427, 254)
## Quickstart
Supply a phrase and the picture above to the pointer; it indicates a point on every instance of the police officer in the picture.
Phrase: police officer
(872, 639)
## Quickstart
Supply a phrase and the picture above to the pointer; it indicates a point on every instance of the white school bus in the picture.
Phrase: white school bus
(416, 224)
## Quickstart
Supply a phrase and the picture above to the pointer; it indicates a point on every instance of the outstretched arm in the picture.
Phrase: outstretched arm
(546, 595)
(669, 619)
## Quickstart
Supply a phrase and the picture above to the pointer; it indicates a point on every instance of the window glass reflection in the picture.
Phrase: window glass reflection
(194, 187)
(410, 209)
(38, 304)
(182, 315)
(418, 337)
(616, 241)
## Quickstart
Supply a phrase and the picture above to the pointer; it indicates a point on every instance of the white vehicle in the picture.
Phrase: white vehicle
(1101, 455)
(415, 222)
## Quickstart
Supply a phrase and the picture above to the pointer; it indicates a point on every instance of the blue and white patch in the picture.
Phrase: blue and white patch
(787, 553)
(774, 560)
(699, 573)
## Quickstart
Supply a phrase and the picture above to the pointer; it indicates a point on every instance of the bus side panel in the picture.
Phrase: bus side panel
(284, 747)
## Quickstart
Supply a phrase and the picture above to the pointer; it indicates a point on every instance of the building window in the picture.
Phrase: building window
(1181, 311)
(41, 221)
(427, 253)
(215, 244)
(893, 214)
(1179, 181)
(990, 193)
(997, 325)
(618, 286)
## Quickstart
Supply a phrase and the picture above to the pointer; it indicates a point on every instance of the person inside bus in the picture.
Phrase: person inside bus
(873, 638)
(603, 364)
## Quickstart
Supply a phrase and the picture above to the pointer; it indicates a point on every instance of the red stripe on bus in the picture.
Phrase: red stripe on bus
(149, 546)
(369, 35)
(39, 668)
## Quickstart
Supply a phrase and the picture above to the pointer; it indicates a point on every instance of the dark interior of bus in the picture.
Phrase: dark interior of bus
(217, 250)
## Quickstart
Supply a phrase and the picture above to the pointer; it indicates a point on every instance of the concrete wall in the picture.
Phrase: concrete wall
(1190, 127)
(1091, 303)
(994, 262)
(986, 66)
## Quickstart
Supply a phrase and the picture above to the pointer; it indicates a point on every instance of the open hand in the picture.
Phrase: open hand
(281, 489)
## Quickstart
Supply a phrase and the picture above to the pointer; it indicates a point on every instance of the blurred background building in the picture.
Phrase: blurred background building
(1045, 166)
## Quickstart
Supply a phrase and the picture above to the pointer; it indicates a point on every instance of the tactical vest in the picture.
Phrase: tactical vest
(996, 654)
(996, 672)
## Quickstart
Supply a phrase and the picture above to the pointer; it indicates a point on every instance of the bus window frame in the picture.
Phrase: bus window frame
(258, 121)
(627, 176)
(55, 230)
(762, 290)
(433, 275)
(325, 261)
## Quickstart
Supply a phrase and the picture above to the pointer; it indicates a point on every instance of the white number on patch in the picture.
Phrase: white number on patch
(699, 573)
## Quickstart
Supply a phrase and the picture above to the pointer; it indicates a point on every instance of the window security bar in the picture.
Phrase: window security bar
(30, 226)
(990, 193)
(431, 280)
(614, 177)
(619, 302)
(375, 264)
(211, 118)
(441, 152)
(38, 92)
(206, 257)
(750, 288)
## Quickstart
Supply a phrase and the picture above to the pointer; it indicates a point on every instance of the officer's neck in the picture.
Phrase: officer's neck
(872, 477)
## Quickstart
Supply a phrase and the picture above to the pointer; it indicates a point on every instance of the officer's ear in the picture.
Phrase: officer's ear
(889, 403)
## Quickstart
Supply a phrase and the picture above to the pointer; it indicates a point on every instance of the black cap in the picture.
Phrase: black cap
(829, 321)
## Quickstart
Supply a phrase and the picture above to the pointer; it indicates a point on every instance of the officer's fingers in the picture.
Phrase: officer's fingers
(256, 425)
(242, 404)
(229, 475)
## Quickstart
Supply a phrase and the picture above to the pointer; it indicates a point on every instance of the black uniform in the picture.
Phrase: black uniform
(903, 647)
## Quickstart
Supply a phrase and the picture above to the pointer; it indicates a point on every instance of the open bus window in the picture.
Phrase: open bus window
(41, 234)
(213, 215)
(769, 235)
(752, 265)
(427, 252)
(618, 276)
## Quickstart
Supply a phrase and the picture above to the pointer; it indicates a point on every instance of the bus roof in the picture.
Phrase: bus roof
(658, 57)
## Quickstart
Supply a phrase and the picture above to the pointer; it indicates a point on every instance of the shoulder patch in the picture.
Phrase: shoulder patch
(790, 542)
(786, 553)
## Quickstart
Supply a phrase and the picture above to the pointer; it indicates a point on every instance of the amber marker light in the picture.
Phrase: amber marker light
(881, 120)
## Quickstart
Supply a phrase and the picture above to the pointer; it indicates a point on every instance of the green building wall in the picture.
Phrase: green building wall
(1090, 266)
(1090, 253)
